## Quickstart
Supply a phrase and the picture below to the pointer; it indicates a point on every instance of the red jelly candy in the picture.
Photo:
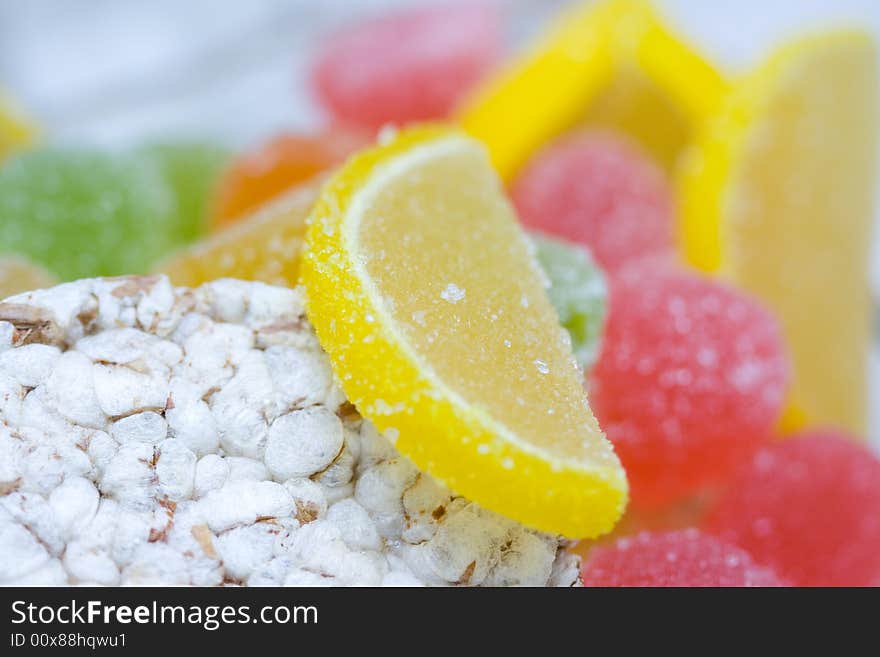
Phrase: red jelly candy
(686, 557)
(411, 66)
(810, 508)
(689, 382)
(598, 189)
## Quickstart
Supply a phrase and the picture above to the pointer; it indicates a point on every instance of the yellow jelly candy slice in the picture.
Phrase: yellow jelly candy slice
(611, 64)
(423, 291)
(777, 196)
(263, 247)
(18, 274)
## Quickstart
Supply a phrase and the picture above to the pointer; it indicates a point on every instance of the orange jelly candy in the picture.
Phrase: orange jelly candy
(259, 176)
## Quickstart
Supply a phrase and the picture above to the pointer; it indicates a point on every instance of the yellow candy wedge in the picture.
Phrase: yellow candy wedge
(18, 274)
(777, 197)
(423, 291)
(611, 64)
(16, 130)
(263, 247)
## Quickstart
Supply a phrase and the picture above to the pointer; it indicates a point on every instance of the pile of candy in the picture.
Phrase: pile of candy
(701, 300)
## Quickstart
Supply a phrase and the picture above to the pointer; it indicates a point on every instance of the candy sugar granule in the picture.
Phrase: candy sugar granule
(808, 506)
(411, 66)
(689, 382)
(597, 189)
(679, 558)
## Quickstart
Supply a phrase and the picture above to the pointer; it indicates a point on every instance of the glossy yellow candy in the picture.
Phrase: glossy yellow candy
(424, 293)
(611, 64)
(777, 197)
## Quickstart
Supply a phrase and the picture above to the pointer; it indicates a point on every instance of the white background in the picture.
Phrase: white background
(118, 71)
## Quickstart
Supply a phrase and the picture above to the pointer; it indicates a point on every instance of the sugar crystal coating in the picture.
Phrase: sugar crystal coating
(689, 382)
(160, 435)
(597, 189)
(411, 66)
(808, 506)
(686, 557)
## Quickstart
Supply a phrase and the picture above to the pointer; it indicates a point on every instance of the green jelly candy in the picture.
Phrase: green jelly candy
(192, 170)
(84, 213)
(577, 291)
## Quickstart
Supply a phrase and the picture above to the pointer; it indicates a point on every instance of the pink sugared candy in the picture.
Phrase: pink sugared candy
(686, 557)
(689, 382)
(598, 189)
(411, 66)
(809, 507)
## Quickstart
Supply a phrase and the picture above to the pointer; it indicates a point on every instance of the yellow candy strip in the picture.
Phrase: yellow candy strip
(613, 63)
(545, 91)
(691, 82)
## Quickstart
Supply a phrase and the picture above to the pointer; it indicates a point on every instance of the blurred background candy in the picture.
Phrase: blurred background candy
(599, 190)
(808, 507)
(689, 382)
(192, 172)
(16, 129)
(87, 212)
(409, 66)
(777, 195)
(262, 174)
(678, 558)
